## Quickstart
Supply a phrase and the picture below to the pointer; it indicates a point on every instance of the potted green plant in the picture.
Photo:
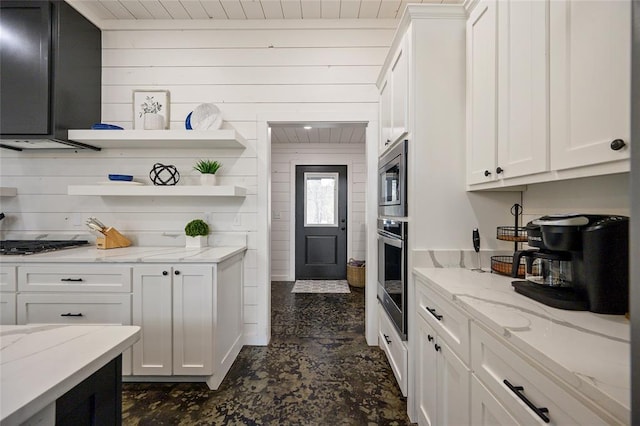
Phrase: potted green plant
(208, 169)
(197, 231)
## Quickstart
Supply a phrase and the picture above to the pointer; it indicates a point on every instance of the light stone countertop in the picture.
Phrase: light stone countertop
(133, 254)
(590, 352)
(40, 363)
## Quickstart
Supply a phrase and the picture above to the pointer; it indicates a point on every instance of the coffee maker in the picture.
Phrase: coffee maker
(579, 262)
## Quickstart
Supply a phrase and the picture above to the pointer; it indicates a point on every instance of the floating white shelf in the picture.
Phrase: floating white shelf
(6, 191)
(158, 191)
(225, 138)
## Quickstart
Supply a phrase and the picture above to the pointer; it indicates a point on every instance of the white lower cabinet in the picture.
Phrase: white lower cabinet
(174, 307)
(443, 380)
(527, 395)
(190, 317)
(394, 347)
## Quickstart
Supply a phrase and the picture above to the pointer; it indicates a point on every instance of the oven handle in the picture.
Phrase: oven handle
(395, 242)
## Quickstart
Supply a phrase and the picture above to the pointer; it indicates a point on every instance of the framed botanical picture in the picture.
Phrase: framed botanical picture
(151, 109)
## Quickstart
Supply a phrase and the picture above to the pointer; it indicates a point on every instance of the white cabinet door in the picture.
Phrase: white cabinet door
(522, 88)
(400, 86)
(7, 309)
(589, 76)
(481, 93)
(193, 324)
(385, 114)
(426, 386)
(152, 312)
(7, 278)
(485, 408)
(453, 383)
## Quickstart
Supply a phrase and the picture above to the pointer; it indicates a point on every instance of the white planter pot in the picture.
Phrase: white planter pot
(153, 121)
(208, 179)
(196, 242)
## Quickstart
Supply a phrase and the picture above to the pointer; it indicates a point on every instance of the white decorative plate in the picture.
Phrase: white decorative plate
(206, 117)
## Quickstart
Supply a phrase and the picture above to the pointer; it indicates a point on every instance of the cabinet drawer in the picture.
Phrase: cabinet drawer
(499, 369)
(486, 410)
(74, 309)
(392, 345)
(7, 277)
(448, 321)
(102, 278)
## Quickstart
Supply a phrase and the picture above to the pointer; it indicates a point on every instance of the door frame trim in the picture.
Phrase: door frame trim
(257, 331)
(292, 200)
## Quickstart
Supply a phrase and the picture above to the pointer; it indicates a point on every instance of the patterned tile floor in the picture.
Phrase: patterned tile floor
(317, 370)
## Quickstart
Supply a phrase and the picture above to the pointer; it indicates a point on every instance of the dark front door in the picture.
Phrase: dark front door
(321, 222)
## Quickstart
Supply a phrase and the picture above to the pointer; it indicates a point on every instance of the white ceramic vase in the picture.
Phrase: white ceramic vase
(196, 242)
(153, 121)
(208, 179)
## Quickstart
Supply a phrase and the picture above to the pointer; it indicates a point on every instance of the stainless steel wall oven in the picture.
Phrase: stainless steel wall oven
(392, 182)
(392, 271)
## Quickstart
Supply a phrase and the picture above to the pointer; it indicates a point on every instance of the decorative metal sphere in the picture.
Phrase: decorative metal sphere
(164, 175)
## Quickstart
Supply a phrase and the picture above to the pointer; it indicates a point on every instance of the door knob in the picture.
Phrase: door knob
(343, 228)
(617, 144)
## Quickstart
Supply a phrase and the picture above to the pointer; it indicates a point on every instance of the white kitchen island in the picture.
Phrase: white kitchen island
(39, 364)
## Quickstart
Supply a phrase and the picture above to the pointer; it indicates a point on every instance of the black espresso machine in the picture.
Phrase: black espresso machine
(580, 262)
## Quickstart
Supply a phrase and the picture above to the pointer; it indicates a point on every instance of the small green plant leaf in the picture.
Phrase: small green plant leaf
(196, 227)
(207, 166)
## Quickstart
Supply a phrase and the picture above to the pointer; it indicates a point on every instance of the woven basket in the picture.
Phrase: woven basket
(355, 274)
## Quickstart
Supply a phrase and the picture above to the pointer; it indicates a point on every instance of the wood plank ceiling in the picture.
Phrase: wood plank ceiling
(247, 9)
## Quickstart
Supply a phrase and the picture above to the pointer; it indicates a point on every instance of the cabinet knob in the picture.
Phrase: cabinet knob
(165, 273)
(176, 272)
(437, 347)
(617, 144)
(487, 173)
(499, 170)
(429, 337)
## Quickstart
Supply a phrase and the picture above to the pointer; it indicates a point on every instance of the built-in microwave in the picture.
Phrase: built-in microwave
(392, 181)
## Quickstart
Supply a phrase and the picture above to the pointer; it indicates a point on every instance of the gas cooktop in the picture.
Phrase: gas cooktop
(20, 247)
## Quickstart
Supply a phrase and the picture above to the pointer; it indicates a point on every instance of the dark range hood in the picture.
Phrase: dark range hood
(50, 74)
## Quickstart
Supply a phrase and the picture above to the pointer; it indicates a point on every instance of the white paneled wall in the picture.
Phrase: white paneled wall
(284, 157)
(247, 72)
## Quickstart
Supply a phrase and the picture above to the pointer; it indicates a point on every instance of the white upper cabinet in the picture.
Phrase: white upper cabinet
(590, 81)
(522, 88)
(481, 93)
(394, 98)
(548, 90)
(400, 96)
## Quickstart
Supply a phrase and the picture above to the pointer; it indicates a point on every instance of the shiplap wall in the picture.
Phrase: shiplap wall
(283, 156)
(247, 70)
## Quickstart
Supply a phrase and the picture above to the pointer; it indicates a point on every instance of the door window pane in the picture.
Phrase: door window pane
(321, 199)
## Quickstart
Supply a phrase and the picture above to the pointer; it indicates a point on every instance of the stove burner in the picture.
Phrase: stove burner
(20, 247)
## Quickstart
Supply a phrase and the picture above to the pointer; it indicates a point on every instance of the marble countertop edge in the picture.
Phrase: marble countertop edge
(132, 254)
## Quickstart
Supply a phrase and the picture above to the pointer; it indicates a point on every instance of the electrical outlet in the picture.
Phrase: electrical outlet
(276, 215)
